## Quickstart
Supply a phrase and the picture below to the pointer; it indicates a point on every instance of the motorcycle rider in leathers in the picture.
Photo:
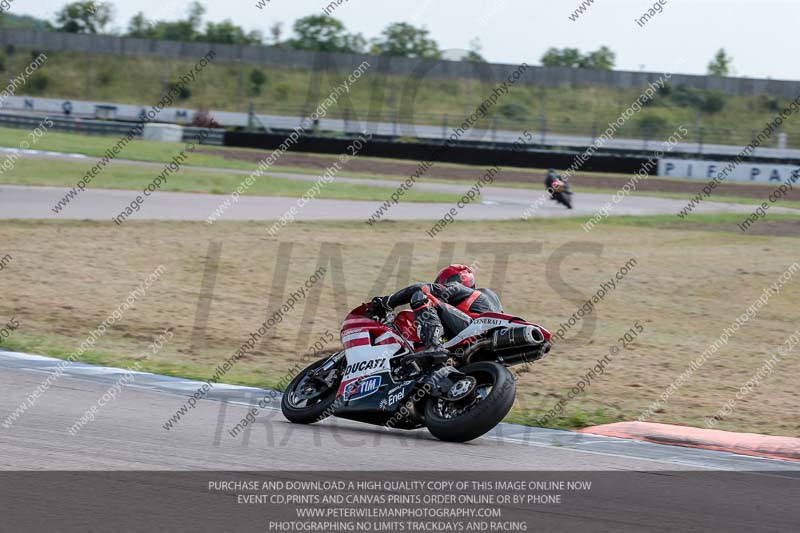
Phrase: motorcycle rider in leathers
(443, 308)
(550, 180)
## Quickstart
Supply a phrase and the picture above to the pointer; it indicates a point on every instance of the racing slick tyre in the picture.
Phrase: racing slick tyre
(310, 397)
(468, 417)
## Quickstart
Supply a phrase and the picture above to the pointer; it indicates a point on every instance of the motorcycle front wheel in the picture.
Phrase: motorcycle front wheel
(311, 395)
(467, 419)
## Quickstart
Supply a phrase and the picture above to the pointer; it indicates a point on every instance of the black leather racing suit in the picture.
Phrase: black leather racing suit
(444, 310)
(549, 180)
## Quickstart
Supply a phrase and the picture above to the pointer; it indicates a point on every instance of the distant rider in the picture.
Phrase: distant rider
(551, 178)
(557, 187)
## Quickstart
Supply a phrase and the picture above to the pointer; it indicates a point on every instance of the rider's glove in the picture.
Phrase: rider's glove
(380, 305)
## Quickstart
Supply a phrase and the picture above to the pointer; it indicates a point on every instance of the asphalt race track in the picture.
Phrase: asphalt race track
(129, 434)
(635, 484)
(498, 203)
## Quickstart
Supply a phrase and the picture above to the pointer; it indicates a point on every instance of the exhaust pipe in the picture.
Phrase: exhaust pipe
(510, 338)
(519, 344)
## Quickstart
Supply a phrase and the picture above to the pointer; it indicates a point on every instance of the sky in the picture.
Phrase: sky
(683, 38)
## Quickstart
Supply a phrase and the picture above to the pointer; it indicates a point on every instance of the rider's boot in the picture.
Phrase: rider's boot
(434, 352)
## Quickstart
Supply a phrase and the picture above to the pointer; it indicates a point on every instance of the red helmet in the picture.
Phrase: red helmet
(456, 273)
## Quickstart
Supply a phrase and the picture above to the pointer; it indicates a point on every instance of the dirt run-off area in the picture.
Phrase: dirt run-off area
(403, 169)
(685, 288)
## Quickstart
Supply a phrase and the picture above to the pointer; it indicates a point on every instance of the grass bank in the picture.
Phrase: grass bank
(692, 279)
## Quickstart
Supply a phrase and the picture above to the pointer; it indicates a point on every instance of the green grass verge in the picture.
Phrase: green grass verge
(158, 152)
(137, 149)
(40, 172)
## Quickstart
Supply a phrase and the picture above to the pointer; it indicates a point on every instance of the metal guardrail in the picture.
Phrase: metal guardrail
(98, 127)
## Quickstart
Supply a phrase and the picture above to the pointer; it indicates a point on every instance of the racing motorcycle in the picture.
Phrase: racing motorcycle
(377, 379)
(562, 193)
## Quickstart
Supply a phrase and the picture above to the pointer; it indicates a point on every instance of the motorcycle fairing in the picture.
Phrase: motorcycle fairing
(485, 322)
(368, 390)
(407, 325)
(364, 357)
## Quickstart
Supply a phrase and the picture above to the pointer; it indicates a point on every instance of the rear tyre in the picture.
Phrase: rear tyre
(309, 398)
(462, 421)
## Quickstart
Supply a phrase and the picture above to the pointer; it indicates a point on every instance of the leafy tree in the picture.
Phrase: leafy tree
(181, 30)
(686, 96)
(714, 102)
(474, 54)
(84, 17)
(721, 64)
(189, 29)
(173, 31)
(104, 14)
(275, 32)
(139, 26)
(602, 59)
(405, 40)
(323, 33)
(566, 57)
(257, 79)
(702, 100)
(226, 32)
(196, 12)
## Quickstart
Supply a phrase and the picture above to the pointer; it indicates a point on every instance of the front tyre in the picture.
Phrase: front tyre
(311, 395)
(467, 419)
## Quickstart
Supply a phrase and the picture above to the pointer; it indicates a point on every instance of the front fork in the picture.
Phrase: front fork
(331, 362)
(323, 372)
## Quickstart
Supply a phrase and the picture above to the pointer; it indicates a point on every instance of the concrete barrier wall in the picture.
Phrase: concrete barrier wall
(304, 60)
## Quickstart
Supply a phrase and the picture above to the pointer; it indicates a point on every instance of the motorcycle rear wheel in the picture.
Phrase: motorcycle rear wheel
(462, 422)
(307, 399)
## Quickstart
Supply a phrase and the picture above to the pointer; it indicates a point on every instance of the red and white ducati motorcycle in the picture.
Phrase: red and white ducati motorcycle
(458, 401)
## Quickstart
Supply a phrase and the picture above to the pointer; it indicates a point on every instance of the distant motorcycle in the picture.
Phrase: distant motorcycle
(558, 188)
(375, 381)
(561, 193)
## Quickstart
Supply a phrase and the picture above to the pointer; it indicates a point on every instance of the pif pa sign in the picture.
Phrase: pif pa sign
(706, 170)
